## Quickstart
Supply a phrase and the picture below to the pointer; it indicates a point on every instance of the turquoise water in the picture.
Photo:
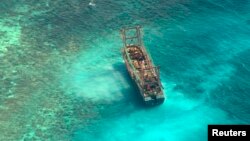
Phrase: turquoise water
(62, 76)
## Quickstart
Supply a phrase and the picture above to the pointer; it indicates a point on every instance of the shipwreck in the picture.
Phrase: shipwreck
(141, 67)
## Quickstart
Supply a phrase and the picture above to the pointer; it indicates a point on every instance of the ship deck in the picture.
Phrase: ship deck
(145, 71)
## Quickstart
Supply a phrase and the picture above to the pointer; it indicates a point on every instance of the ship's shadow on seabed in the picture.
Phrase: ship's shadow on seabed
(131, 94)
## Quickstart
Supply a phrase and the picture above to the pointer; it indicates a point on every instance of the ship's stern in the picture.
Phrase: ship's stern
(154, 100)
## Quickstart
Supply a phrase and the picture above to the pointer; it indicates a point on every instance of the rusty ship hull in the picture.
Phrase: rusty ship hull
(141, 67)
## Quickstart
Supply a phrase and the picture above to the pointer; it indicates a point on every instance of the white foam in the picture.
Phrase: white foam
(93, 76)
(92, 3)
(10, 35)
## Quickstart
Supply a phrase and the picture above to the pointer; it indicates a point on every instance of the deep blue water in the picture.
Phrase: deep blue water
(63, 77)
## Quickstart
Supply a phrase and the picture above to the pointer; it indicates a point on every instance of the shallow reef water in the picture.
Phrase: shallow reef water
(62, 76)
